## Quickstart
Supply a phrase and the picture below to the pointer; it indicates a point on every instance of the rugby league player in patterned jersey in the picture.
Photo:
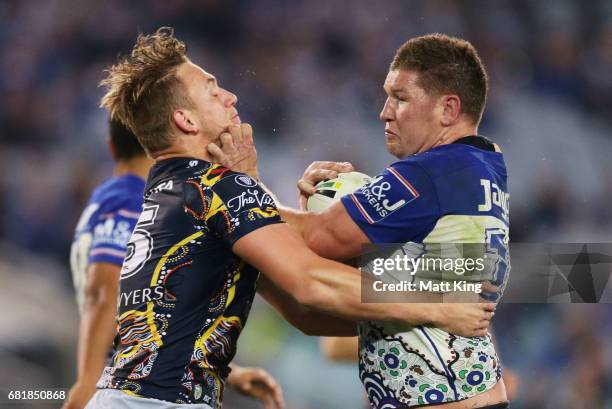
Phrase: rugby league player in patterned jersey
(100, 244)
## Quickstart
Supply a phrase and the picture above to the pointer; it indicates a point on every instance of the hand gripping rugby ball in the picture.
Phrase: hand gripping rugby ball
(330, 191)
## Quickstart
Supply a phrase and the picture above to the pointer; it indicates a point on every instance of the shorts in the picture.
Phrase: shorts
(112, 398)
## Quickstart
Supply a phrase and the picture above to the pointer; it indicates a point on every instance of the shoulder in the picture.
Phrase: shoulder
(120, 194)
(237, 191)
(221, 189)
(445, 160)
(232, 204)
(458, 172)
(216, 178)
(194, 172)
(218, 175)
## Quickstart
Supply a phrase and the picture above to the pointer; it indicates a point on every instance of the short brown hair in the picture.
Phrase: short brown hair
(446, 65)
(142, 90)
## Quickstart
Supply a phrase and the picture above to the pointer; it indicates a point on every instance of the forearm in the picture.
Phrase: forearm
(339, 292)
(96, 333)
(314, 323)
(315, 282)
(308, 321)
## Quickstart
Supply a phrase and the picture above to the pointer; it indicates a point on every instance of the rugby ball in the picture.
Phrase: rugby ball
(330, 191)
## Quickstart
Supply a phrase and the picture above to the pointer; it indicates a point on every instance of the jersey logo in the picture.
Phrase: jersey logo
(384, 195)
(244, 180)
(168, 185)
(249, 199)
(112, 231)
(240, 193)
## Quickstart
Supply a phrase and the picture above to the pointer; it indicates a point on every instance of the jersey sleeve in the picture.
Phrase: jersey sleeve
(397, 206)
(111, 233)
(232, 207)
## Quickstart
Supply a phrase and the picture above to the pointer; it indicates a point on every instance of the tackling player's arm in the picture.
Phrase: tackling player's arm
(335, 288)
(240, 212)
(96, 330)
(309, 321)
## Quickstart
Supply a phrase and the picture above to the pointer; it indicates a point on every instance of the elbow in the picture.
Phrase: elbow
(318, 240)
(93, 297)
(96, 297)
(312, 237)
(316, 235)
(327, 243)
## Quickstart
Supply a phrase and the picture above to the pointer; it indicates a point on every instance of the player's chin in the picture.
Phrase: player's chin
(399, 151)
(394, 149)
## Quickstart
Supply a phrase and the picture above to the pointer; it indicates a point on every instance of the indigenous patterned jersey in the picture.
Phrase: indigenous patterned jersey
(453, 193)
(184, 295)
(105, 226)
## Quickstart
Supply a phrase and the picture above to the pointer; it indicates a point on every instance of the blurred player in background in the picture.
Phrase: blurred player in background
(449, 186)
(99, 247)
(188, 280)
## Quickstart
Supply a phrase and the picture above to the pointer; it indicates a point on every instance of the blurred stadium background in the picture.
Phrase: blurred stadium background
(309, 77)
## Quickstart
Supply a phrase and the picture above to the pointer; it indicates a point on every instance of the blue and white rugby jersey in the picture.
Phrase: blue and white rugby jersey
(452, 193)
(105, 227)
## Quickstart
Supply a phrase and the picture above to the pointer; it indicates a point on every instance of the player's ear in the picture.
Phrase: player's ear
(185, 121)
(451, 105)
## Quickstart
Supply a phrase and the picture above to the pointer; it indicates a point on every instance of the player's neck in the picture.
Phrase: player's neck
(183, 154)
(451, 134)
(138, 165)
(182, 149)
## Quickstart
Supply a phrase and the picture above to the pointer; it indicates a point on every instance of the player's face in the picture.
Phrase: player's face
(214, 106)
(410, 114)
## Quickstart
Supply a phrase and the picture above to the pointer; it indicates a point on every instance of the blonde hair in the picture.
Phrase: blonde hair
(142, 90)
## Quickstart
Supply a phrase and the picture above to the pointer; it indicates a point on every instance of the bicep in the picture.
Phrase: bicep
(278, 252)
(333, 234)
